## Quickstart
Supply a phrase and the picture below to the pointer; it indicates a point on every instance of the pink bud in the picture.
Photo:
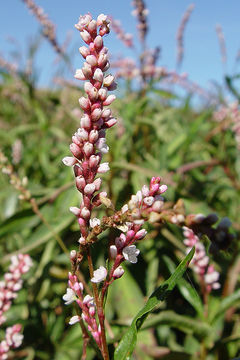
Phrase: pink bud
(91, 60)
(92, 311)
(69, 161)
(73, 255)
(84, 51)
(101, 19)
(79, 75)
(94, 160)
(85, 213)
(83, 134)
(98, 42)
(109, 100)
(96, 114)
(162, 189)
(108, 80)
(130, 235)
(76, 139)
(86, 36)
(113, 251)
(92, 26)
(102, 93)
(103, 168)
(75, 210)
(93, 136)
(118, 272)
(120, 241)
(97, 183)
(85, 122)
(89, 189)
(84, 103)
(75, 149)
(88, 149)
(140, 234)
(98, 75)
(87, 70)
(102, 60)
(80, 182)
(106, 113)
(145, 190)
(111, 122)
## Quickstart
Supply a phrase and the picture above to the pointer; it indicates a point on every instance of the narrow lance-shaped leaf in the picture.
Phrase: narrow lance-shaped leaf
(128, 342)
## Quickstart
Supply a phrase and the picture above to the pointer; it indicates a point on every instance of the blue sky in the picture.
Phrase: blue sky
(202, 59)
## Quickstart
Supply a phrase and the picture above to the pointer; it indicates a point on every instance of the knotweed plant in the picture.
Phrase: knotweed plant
(9, 288)
(88, 148)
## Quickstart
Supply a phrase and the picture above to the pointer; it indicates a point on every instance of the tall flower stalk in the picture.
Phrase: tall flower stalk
(88, 147)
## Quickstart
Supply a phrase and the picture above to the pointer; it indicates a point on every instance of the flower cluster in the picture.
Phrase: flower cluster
(9, 288)
(180, 33)
(86, 304)
(230, 113)
(13, 339)
(141, 12)
(147, 200)
(89, 142)
(12, 283)
(200, 261)
(126, 38)
(48, 26)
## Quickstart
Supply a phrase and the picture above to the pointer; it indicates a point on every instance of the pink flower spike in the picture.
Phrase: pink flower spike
(99, 275)
(69, 161)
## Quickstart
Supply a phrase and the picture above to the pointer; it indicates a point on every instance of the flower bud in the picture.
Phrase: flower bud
(75, 210)
(89, 189)
(84, 51)
(88, 148)
(140, 234)
(85, 122)
(85, 213)
(108, 80)
(109, 100)
(98, 42)
(103, 168)
(86, 36)
(91, 60)
(75, 150)
(84, 103)
(94, 160)
(111, 122)
(80, 182)
(93, 136)
(102, 94)
(97, 183)
(98, 75)
(96, 114)
(73, 254)
(118, 272)
(69, 160)
(113, 251)
(106, 113)
(79, 75)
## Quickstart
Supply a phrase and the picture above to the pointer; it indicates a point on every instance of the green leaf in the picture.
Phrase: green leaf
(128, 342)
(226, 303)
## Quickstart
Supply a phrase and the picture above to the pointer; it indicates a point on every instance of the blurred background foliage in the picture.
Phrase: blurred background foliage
(159, 132)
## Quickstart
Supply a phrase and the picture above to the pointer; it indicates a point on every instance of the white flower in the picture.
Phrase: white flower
(130, 253)
(74, 319)
(103, 168)
(88, 300)
(99, 275)
(69, 297)
(94, 222)
(148, 200)
(17, 339)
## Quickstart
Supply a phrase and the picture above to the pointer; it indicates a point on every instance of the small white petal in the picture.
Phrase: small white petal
(99, 275)
(74, 319)
(94, 222)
